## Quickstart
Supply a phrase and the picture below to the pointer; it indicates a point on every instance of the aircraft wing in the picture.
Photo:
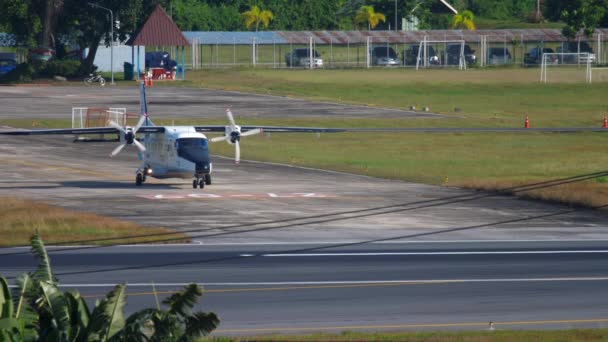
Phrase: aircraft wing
(287, 129)
(80, 131)
(218, 128)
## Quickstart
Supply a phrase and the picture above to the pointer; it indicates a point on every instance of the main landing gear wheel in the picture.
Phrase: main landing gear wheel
(208, 179)
(139, 179)
(198, 183)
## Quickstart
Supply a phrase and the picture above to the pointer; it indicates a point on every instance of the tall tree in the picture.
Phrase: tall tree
(583, 15)
(464, 20)
(255, 16)
(367, 15)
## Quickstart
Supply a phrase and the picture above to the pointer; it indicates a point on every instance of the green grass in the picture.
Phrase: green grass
(573, 335)
(494, 97)
(484, 98)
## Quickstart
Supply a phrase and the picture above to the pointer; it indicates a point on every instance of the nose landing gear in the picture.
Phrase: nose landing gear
(201, 180)
(140, 177)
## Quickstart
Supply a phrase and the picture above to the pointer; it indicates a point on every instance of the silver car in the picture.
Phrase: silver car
(384, 56)
(301, 57)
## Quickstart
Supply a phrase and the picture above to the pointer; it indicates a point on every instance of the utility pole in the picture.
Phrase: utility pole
(112, 37)
(395, 15)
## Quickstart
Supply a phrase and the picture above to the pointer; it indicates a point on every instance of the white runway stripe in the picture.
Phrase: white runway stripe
(348, 282)
(292, 255)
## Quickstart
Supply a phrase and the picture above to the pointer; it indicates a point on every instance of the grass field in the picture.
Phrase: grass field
(475, 98)
(21, 218)
(574, 335)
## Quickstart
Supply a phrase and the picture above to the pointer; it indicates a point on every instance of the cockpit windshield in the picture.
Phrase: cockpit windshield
(188, 143)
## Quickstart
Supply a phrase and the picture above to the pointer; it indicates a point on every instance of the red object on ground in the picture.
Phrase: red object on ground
(605, 122)
(527, 123)
(157, 73)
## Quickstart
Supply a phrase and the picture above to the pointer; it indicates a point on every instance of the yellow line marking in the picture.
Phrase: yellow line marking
(410, 326)
(287, 288)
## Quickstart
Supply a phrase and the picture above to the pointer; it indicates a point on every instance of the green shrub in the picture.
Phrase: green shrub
(66, 68)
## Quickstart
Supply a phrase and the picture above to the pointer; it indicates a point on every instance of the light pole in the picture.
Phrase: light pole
(396, 28)
(112, 37)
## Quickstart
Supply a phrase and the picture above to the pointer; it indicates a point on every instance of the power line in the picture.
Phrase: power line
(326, 218)
(237, 257)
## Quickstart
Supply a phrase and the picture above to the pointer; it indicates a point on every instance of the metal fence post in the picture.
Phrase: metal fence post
(367, 45)
(253, 52)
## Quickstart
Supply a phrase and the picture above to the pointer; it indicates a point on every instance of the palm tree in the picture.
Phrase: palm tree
(464, 20)
(367, 15)
(257, 16)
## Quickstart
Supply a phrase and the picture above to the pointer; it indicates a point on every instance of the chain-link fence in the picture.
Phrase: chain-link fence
(363, 49)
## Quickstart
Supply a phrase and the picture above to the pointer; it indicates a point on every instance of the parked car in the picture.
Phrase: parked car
(42, 54)
(7, 65)
(499, 56)
(451, 55)
(301, 57)
(410, 55)
(160, 59)
(384, 56)
(535, 56)
(576, 47)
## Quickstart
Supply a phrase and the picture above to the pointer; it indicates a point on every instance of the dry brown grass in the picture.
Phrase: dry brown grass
(20, 218)
(588, 193)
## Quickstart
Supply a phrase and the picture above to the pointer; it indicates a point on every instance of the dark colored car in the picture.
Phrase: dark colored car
(535, 56)
(7, 65)
(498, 56)
(384, 56)
(451, 55)
(301, 57)
(160, 59)
(410, 56)
(576, 47)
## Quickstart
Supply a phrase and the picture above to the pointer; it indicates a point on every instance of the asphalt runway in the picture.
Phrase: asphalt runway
(177, 102)
(257, 208)
(259, 289)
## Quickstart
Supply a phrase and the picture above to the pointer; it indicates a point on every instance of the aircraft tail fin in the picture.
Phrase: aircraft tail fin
(143, 105)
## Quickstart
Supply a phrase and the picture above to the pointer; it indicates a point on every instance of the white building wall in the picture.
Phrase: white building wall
(122, 54)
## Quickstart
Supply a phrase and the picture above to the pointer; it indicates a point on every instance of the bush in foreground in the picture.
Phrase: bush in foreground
(36, 310)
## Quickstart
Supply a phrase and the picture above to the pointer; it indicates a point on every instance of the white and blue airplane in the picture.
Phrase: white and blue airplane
(173, 151)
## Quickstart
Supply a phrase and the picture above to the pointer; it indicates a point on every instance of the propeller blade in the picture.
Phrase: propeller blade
(139, 145)
(142, 120)
(117, 150)
(222, 138)
(237, 152)
(230, 117)
(252, 132)
(117, 126)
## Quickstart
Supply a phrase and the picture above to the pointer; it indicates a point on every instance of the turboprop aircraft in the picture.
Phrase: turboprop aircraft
(173, 151)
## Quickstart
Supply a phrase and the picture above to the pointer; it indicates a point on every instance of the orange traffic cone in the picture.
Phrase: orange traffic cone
(605, 122)
(527, 122)
(151, 83)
